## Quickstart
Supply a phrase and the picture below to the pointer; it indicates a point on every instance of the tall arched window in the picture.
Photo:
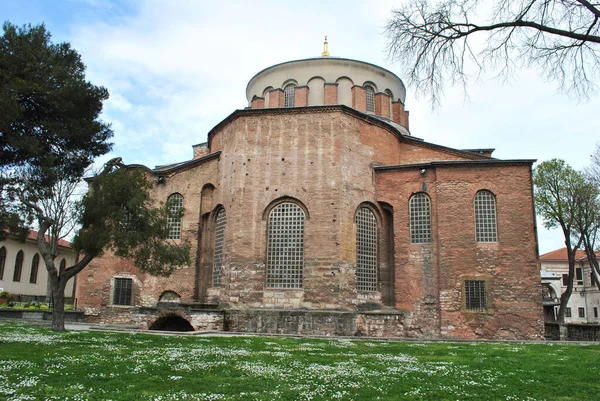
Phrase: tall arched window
(175, 205)
(289, 93)
(221, 222)
(370, 99)
(485, 217)
(420, 218)
(2, 262)
(35, 264)
(366, 250)
(390, 100)
(18, 266)
(285, 246)
(63, 266)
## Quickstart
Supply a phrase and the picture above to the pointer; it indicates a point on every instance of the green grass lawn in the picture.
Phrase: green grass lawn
(38, 364)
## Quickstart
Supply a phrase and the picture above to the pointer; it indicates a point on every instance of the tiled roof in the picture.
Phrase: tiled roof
(61, 242)
(561, 254)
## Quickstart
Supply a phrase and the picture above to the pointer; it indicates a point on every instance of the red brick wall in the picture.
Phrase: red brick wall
(325, 160)
(382, 105)
(331, 93)
(301, 96)
(359, 98)
(399, 114)
(429, 277)
(276, 98)
(258, 103)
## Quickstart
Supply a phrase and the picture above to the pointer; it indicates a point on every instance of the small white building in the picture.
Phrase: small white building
(584, 304)
(22, 269)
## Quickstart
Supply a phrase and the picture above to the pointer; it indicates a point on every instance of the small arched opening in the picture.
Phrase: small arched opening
(171, 323)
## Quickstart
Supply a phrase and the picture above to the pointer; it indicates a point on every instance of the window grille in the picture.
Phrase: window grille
(370, 99)
(18, 266)
(175, 204)
(485, 217)
(288, 95)
(35, 265)
(475, 295)
(285, 246)
(366, 250)
(221, 222)
(420, 218)
(568, 312)
(581, 312)
(122, 291)
(2, 262)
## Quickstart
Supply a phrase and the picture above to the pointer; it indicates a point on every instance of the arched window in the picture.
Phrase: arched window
(288, 95)
(485, 217)
(63, 266)
(370, 99)
(220, 223)
(18, 266)
(2, 262)
(175, 205)
(390, 100)
(420, 218)
(35, 264)
(366, 250)
(285, 246)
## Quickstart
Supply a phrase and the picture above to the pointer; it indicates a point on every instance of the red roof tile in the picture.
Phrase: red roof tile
(561, 254)
(61, 242)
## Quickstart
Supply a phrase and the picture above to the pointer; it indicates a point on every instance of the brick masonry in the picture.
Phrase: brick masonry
(324, 158)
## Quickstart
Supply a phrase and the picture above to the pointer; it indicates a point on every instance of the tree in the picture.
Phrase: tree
(559, 191)
(49, 135)
(588, 224)
(439, 43)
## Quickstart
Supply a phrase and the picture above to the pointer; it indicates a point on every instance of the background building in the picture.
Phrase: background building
(22, 269)
(316, 211)
(585, 300)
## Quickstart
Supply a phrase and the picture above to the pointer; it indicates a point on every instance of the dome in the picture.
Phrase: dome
(327, 81)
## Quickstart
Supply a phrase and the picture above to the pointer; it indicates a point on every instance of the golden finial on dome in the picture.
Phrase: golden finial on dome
(325, 50)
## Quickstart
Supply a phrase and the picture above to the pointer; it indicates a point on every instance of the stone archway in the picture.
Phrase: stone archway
(171, 323)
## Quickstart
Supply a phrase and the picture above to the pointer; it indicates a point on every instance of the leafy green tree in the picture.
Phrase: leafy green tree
(559, 191)
(50, 133)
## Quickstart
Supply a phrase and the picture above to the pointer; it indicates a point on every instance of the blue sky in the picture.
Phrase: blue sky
(176, 68)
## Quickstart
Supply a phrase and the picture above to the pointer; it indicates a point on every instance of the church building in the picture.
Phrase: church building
(316, 211)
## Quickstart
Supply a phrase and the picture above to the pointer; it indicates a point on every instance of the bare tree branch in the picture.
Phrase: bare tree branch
(442, 43)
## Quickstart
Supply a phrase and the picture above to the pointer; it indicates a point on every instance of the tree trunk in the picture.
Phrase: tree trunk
(58, 303)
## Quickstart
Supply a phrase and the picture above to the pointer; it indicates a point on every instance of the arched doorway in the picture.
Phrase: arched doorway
(171, 323)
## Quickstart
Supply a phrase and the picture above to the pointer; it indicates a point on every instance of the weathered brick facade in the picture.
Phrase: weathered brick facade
(330, 161)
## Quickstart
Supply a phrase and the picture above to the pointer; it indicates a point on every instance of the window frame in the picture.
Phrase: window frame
(369, 99)
(568, 312)
(579, 275)
(220, 227)
(35, 265)
(175, 224)
(476, 295)
(18, 267)
(115, 288)
(419, 226)
(2, 261)
(486, 219)
(289, 95)
(367, 249)
(291, 275)
(581, 312)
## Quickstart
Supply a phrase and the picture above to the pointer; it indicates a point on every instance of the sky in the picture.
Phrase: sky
(175, 69)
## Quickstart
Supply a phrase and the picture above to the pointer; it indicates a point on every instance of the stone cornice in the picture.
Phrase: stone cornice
(456, 163)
